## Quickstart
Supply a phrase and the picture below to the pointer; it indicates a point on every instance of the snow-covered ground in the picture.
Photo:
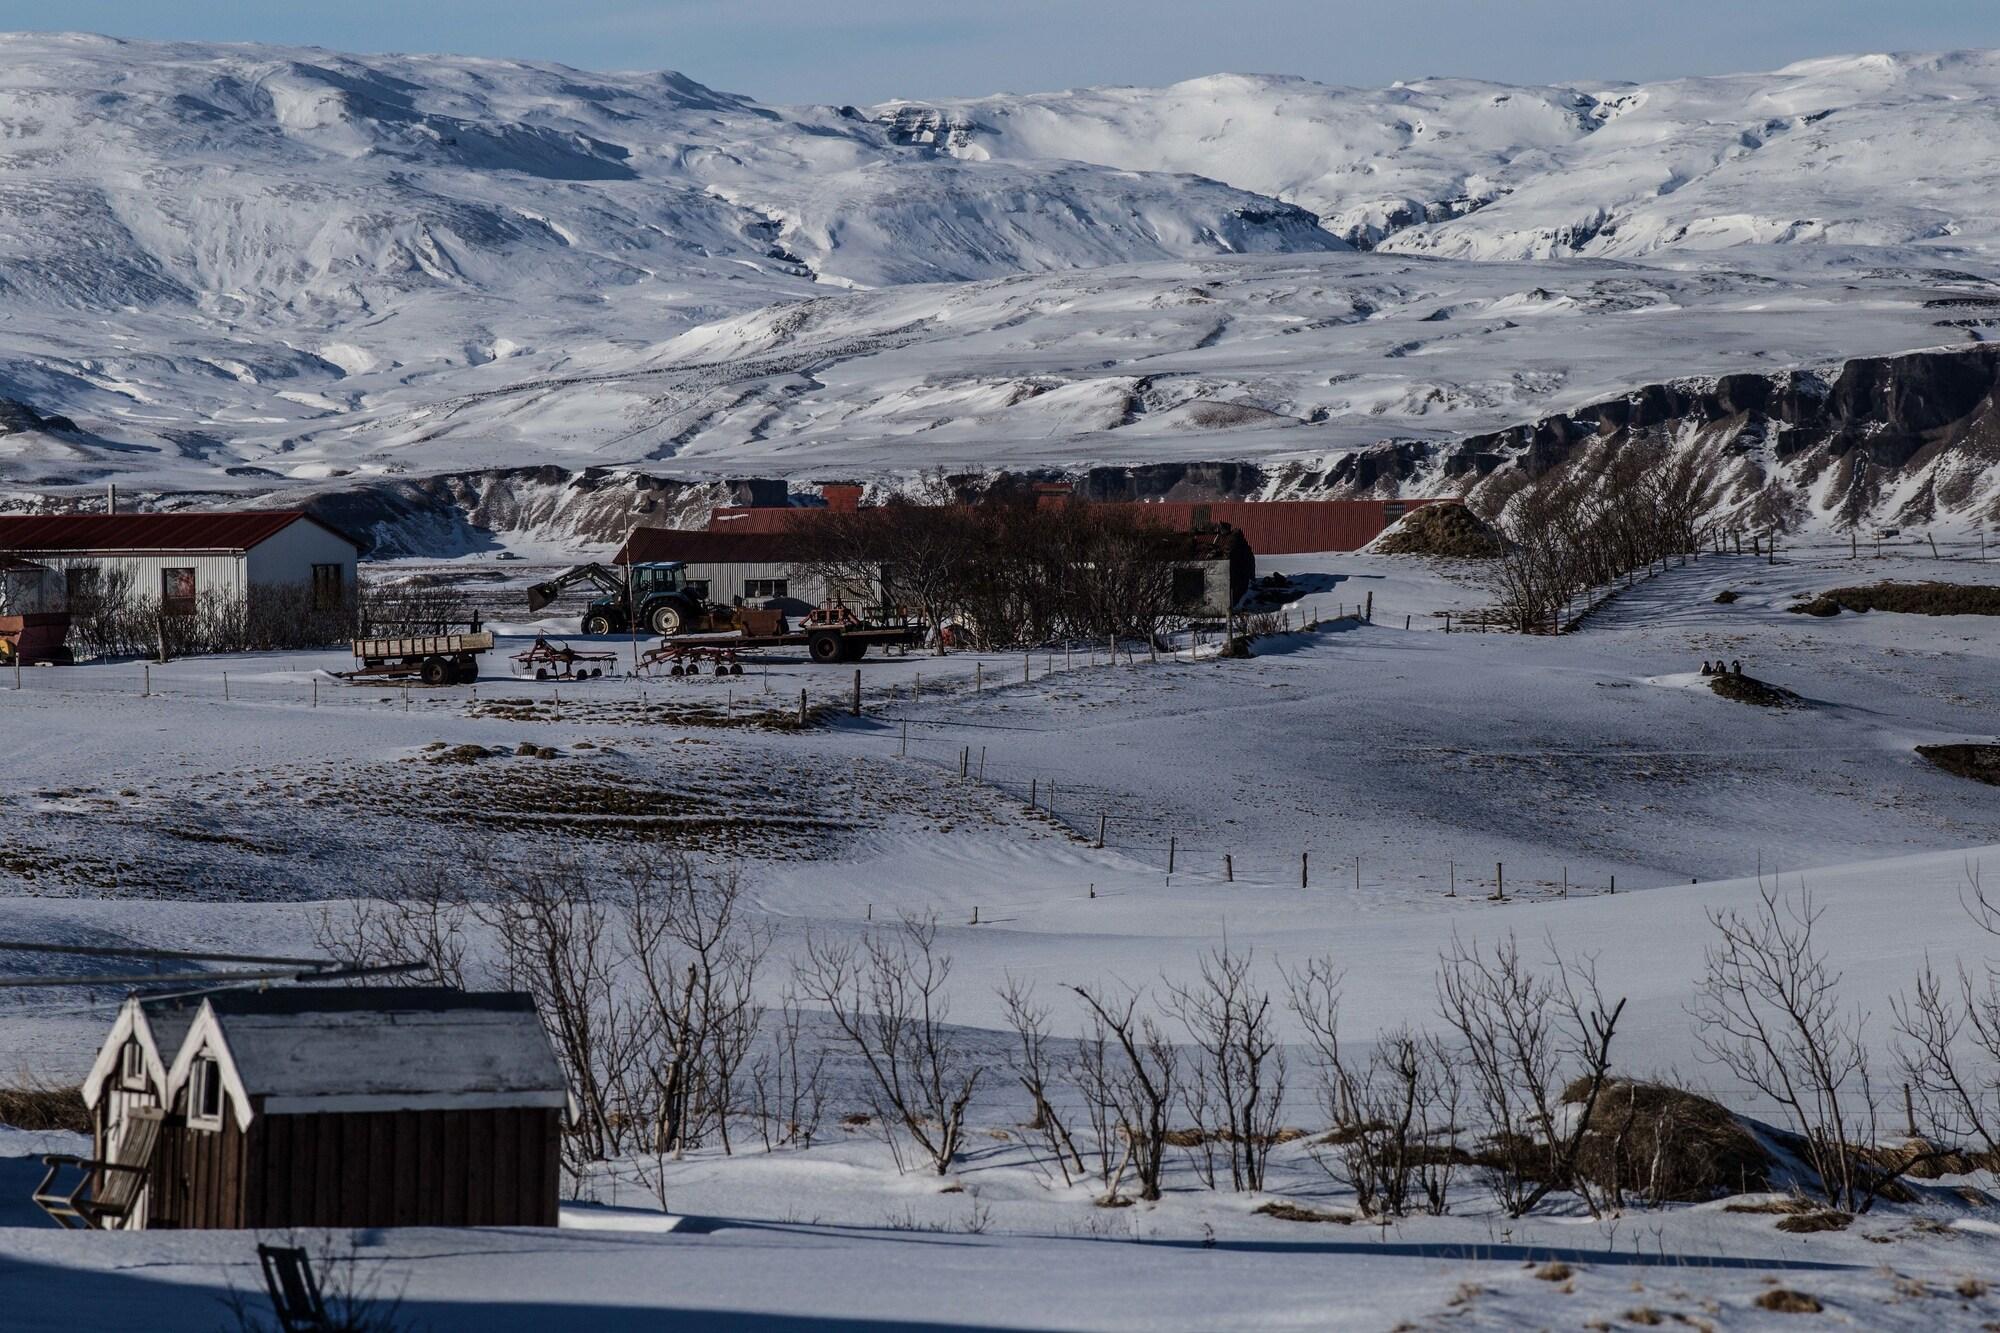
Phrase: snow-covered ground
(183, 818)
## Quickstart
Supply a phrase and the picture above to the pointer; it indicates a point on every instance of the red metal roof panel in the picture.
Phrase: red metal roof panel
(236, 530)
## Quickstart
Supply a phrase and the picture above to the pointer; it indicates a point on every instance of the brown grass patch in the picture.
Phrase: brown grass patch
(1918, 599)
(1821, 1219)
(1750, 690)
(1440, 530)
(1981, 763)
(1644, 1315)
(44, 1107)
(1790, 1204)
(1292, 1212)
(1786, 1301)
(1555, 1270)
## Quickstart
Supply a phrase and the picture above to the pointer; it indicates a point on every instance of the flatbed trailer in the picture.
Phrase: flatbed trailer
(435, 659)
(824, 643)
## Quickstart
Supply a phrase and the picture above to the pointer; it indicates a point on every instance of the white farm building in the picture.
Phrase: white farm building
(182, 557)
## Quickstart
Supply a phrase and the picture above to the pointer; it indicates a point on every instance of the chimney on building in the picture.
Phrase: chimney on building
(842, 497)
(110, 497)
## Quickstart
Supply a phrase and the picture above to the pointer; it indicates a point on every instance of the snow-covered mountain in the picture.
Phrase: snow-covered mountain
(1870, 150)
(246, 268)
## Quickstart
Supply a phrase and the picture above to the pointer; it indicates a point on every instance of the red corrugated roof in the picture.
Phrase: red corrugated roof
(697, 547)
(236, 530)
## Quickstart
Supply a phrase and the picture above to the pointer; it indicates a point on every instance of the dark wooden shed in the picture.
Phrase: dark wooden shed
(369, 1106)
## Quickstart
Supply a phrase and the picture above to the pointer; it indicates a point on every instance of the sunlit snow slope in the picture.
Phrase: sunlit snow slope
(245, 268)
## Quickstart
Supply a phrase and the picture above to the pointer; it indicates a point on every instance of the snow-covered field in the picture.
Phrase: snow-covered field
(184, 818)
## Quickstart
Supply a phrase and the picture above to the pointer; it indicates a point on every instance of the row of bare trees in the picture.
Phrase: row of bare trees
(1593, 522)
(1008, 574)
(647, 977)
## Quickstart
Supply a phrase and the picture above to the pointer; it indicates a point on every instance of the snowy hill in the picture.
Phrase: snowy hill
(1874, 150)
(234, 269)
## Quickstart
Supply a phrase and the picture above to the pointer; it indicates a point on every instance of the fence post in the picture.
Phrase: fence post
(964, 760)
(1171, 841)
(1369, 615)
(903, 749)
(1100, 828)
(1302, 868)
(978, 678)
(225, 686)
(1228, 869)
(1499, 881)
(1451, 879)
(147, 691)
(1024, 667)
(1614, 883)
(1447, 622)
(854, 709)
(982, 763)
(315, 691)
(802, 705)
(1032, 791)
(1357, 874)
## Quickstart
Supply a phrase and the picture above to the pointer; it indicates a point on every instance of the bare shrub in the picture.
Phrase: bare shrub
(1768, 1010)
(1131, 1071)
(788, 1078)
(560, 943)
(1524, 1035)
(1950, 1047)
(1239, 1080)
(688, 1020)
(888, 999)
(420, 917)
(41, 1104)
(1035, 1070)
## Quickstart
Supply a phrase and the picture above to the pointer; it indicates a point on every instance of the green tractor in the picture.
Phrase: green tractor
(659, 592)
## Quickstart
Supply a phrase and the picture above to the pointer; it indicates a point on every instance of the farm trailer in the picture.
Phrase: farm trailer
(435, 659)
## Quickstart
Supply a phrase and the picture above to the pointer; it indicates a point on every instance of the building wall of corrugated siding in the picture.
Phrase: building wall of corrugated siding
(221, 574)
(1272, 527)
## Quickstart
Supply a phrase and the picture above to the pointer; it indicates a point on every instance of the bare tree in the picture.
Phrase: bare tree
(1241, 1075)
(888, 999)
(1524, 1036)
(420, 917)
(1768, 1010)
(1950, 1054)
(1034, 1069)
(1138, 1079)
(788, 1078)
(559, 943)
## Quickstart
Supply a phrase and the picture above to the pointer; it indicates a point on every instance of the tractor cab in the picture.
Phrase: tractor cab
(657, 597)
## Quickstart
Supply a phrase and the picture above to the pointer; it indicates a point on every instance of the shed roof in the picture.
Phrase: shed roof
(158, 1025)
(232, 530)
(375, 1048)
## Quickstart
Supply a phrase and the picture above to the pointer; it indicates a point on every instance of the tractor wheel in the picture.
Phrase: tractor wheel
(435, 671)
(853, 650)
(597, 624)
(824, 646)
(735, 668)
(667, 618)
(677, 671)
(541, 673)
(468, 670)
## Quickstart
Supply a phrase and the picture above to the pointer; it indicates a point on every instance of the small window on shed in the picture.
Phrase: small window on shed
(1190, 587)
(177, 591)
(132, 1064)
(758, 589)
(328, 585)
(205, 1094)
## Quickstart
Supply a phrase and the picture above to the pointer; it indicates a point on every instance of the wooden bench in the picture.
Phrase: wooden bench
(104, 1192)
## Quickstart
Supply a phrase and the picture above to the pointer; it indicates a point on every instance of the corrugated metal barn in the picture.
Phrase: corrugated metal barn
(759, 568)
(1272, 527)
(363, 1106)
(182, 557)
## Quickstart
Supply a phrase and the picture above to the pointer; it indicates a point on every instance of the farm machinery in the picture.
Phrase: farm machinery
(545, 660)
(656, 597)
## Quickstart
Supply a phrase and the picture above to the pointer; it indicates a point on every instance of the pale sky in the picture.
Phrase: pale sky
(863, 51)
